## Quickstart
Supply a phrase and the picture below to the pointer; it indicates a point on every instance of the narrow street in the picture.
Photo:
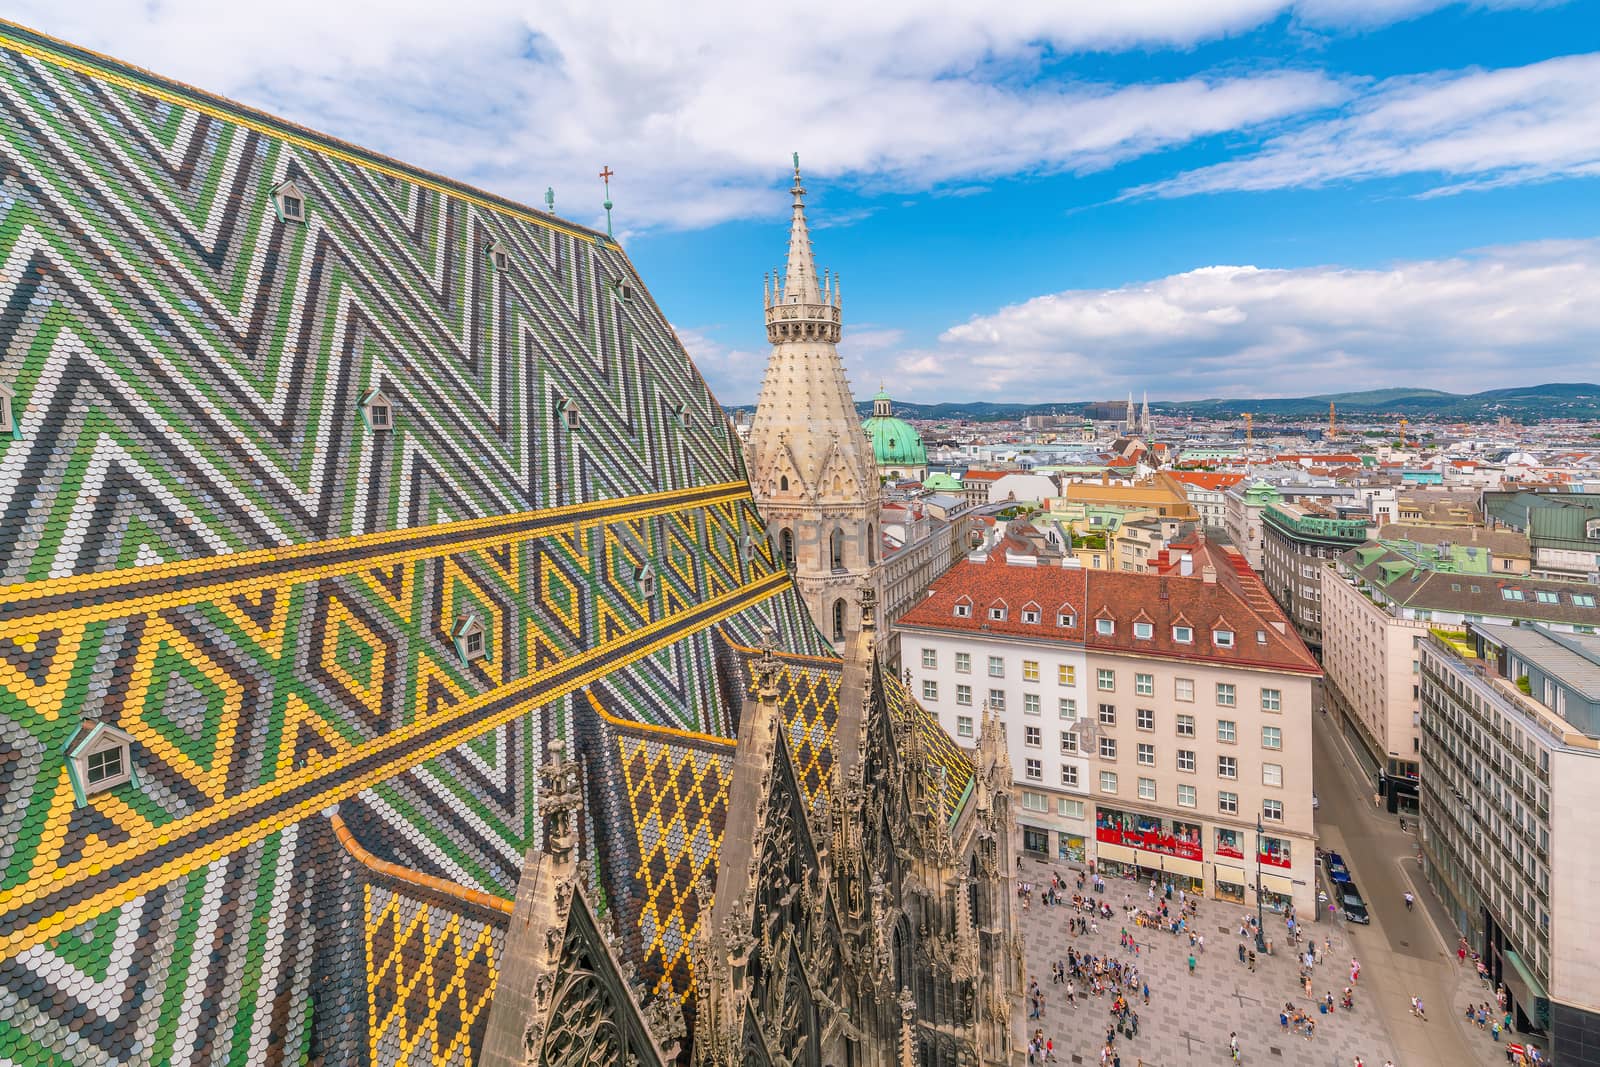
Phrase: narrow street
(1403, 954)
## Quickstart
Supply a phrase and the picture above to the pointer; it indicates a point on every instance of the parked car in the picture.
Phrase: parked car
(1355, 909)
(1339, 873)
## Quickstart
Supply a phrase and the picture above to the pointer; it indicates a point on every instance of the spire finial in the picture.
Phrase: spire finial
(606, 174)
(797, 166)
(550, 199)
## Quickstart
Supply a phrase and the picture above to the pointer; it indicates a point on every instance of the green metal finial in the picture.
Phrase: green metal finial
(550, 199)
(606, 174)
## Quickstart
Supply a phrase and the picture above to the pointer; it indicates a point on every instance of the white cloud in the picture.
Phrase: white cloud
(1475, 128)
(697, 106)
(1501, 316)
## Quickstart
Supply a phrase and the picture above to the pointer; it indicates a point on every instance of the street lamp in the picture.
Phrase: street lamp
(1261, 922)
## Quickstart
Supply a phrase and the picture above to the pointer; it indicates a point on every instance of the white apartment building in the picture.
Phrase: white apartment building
(1511, 783)
(1150, 718)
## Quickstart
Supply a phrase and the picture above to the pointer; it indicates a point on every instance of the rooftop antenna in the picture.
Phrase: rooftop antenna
(606, 174)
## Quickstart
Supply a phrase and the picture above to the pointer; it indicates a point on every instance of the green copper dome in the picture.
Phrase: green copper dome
(894, 442)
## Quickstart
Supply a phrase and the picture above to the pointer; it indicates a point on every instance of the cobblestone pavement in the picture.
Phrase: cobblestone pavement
(1189, 1017)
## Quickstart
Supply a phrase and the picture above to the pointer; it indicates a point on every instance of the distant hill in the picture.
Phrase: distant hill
(1529, 403)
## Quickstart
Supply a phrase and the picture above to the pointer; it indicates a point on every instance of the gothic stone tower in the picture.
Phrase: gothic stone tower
(810, 463)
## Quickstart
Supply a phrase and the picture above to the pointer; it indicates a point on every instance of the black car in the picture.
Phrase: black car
(1355, 909)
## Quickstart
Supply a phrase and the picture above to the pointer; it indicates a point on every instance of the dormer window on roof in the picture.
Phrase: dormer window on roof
(99, 757)
(998, 613)
(1143, 631)
(622, 289)
(1105, 627)
(8, 415)
(963, 610)
(1030, 616)
(1184, 635)
(1222, 638)
(289, 202)
(1261, 637)
(471, 639)
(376, 411)
(569, 413)
(645, 578)
(499, 255)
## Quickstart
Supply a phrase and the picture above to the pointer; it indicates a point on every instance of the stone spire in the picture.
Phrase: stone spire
(1144, 415)
(811, 465)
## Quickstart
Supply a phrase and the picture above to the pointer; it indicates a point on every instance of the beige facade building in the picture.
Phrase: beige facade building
(1149, 718)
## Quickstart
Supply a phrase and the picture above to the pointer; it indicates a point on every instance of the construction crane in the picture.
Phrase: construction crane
(1249, 430)
(1331, 423)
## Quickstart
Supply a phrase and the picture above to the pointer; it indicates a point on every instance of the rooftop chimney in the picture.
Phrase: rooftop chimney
(1208, 574)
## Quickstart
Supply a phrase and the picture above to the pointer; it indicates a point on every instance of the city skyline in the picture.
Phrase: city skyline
(1250, 199)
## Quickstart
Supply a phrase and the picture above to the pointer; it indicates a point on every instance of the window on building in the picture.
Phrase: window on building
(1272, 810)
(1147, 755)
(997, 699)
(1271, 700)
(1069, 743)
(1032, 801)
(1029, 615)
(1108, 748)
(376, 410)
(290, 202)
(1105, 680)
(997, 614)
(1066, 675)
(1145, 718)
(1186, 796)
(1225, 731)
(1144, 684)
(1225, 695)
(1030, 670)
(786, 552)
(1066, 620)
(930, 659)
(838, 619)
(1228, 803)
(1227, 767)
(963, 725)
(997, 667)
(963, 611)
(1032, 737)
(1030, 703)
(1222, 638)
(1033, 769)
(1108, 715)
(1184, 635)
(1108, 781)
(1068, 708)
(1545, 596)
(1186, 760)
(930, 690)
(963, 663)
(1583, 600)
(1185, 725)
(1069, 809)
(964, 695)
(1272, 774)
(1183, 689)
(1143, 631)
(1147, 789)
(1069, 775)
(471, 639)
(1511, 594)
(1271, 737)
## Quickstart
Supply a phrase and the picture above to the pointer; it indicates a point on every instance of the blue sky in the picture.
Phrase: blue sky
(1057, 201)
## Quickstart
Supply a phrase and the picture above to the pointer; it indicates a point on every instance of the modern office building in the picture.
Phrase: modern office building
(1298, 539)
(1511, 784)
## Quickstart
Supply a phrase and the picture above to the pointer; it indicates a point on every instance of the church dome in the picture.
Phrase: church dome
(894, 442)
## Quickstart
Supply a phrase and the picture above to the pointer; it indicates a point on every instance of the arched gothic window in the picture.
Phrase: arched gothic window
(783, 483)
(838, 620)
(786, 547)
(836, 549)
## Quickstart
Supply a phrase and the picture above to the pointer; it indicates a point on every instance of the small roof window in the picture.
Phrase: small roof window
(570, 416)
(376, 410)
(99, 757)
(289, 202)
(471, 639)
(8, 414)
(499, 255)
